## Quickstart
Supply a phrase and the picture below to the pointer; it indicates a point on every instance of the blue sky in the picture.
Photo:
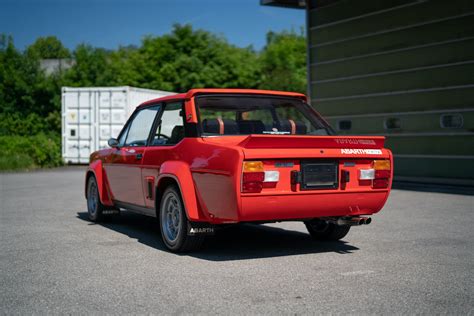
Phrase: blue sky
(110, 23)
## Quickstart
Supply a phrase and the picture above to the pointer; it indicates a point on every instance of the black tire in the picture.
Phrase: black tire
(94, 207)
(324, 231)
(174, 223)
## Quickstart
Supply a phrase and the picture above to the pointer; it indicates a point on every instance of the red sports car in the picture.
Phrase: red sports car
(221, 156)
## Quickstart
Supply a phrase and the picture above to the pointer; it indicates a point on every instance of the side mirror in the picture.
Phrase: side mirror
(113, 142)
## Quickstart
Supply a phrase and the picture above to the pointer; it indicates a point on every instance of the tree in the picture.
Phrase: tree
(19, 77)
(283, 62)
(27, 96)
(186, 59)
(47, 48)
(92, 68)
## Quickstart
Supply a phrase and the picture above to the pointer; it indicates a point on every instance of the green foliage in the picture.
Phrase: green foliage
(31, 124)
(24, 88)
(47, 48)
(19, 76)
(20, 152)
(92, 68)
(283, 62)
(186, 59)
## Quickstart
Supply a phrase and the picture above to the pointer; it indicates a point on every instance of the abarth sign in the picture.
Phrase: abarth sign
(350, 151)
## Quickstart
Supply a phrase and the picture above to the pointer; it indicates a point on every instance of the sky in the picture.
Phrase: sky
(111, 23)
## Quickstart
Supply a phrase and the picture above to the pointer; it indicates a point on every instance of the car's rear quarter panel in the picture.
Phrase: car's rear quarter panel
(207, 175)
(216, 172)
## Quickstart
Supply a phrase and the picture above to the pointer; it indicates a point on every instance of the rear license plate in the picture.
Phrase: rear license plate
(319, 175)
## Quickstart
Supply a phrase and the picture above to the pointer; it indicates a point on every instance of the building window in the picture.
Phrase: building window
(392, 123)
(344, 125)
(451, 120)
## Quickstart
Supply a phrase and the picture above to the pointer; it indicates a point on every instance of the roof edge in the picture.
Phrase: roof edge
(193, 92)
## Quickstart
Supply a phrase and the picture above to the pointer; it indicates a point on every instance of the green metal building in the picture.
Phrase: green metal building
(399, 68)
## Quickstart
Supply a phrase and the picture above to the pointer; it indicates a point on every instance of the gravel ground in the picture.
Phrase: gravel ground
(417, 257)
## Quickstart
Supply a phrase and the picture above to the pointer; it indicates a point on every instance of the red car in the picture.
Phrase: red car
(210, 157)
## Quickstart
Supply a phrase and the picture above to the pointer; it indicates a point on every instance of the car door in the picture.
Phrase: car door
(124, 167)
(166, 136)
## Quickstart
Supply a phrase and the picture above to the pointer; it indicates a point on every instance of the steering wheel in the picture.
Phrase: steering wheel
(162, 135)
(137, 143)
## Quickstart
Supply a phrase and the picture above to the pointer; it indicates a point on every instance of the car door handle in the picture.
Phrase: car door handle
(138, 156)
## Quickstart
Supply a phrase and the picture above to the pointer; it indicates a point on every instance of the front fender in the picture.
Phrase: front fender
(96, 169)
(181, 173)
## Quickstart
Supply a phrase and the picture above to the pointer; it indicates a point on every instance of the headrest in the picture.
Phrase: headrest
(177, 134)
(251, 127)
(220, 126)
(294, 127)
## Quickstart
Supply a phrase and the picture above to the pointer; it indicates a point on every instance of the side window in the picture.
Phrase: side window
(170, 131)
(123, 135)
(139, 128)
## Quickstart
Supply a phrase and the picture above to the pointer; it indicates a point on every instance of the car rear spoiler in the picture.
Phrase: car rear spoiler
(306, 141)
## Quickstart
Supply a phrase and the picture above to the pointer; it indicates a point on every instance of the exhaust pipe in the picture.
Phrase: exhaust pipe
(351, 221)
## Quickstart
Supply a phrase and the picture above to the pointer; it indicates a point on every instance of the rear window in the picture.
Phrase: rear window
(243, 115)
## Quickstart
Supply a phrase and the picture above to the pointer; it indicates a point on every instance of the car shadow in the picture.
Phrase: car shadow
(236, 242)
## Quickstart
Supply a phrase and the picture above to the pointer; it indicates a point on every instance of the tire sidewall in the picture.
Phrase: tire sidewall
(94, 215)
(176, 245)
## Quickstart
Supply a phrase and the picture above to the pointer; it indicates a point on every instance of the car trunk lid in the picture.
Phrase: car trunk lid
(305, 141)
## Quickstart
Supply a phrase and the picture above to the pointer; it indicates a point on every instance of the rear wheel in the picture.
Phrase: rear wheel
(94, 206)
(174, 223)
(322, 230)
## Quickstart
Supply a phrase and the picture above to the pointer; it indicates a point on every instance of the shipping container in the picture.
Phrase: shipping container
(92, 115)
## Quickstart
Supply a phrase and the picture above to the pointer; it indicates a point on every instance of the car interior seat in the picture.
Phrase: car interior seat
(251, 126)
(177, 134)
(220, 126)
(294, 127)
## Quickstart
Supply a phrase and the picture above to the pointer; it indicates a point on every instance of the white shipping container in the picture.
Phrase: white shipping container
(92, 115)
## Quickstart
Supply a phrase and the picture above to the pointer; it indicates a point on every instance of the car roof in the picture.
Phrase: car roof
(193, 92)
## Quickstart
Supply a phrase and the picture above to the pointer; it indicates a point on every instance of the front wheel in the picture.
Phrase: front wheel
(322, 230)
(174, 223)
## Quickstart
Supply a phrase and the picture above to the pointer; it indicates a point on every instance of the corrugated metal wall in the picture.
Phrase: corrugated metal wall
(400, 68)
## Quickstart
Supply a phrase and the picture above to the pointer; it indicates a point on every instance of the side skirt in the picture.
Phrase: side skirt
(136, 208)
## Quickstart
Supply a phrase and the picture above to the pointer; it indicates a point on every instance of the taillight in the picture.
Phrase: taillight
(254, 178)
(380, 183)
(379, 174)
(253, 166)
(382, 174)
(381, 164)
(366, 174)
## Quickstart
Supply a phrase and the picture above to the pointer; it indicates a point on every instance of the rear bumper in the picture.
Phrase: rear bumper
(306, 206)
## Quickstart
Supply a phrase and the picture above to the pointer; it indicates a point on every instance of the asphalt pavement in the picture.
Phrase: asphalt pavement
(417, 257)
